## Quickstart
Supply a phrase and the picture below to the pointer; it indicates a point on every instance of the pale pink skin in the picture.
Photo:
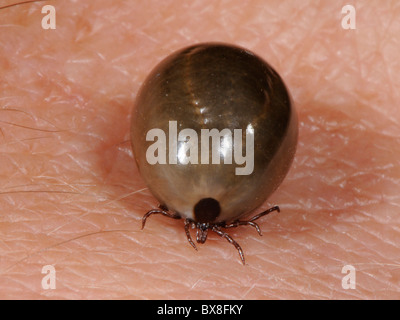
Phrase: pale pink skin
(71, 196)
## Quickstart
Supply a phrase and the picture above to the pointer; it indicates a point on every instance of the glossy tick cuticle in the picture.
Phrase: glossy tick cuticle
(213, 132)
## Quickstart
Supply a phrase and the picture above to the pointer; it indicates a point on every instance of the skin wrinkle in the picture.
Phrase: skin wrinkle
(339, 202)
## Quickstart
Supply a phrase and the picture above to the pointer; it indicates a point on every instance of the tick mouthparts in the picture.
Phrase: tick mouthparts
(201, 235)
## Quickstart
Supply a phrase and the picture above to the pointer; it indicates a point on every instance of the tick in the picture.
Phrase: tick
(214, 132)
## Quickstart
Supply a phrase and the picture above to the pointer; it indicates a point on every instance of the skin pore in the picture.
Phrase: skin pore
(71, 195)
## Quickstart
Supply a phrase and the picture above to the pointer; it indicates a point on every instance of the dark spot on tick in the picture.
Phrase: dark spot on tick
(206, 210)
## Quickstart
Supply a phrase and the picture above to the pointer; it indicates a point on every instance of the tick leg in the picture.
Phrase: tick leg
(231, 241)
(264, 213)
(237, 223)
(159, 211)
(250, 222)
(189, 237)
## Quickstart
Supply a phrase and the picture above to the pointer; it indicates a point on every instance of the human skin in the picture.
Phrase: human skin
(71, 195)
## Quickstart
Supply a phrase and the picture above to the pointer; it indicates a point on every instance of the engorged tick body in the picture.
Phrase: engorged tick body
(213, 89)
